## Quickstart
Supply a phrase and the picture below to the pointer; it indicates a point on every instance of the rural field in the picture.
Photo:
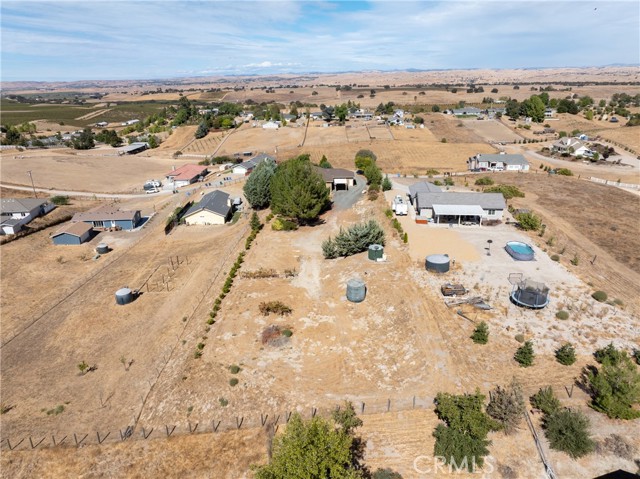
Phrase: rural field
(174, 393)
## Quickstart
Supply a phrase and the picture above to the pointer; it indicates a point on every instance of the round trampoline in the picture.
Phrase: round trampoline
(519, 251)
(530, 294)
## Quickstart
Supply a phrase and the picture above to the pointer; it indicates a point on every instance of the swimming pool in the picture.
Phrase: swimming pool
(519, 251)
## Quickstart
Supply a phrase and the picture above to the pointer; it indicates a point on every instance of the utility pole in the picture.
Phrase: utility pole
(32, 185)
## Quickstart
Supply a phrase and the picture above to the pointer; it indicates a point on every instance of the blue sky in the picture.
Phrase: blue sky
(122, 39)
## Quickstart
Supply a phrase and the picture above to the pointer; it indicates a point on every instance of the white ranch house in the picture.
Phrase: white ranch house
(497, 162)
(573, 146)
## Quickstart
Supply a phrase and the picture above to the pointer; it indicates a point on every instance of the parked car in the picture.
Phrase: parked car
(152, 190)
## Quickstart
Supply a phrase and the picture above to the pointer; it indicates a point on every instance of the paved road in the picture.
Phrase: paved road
(82, 193)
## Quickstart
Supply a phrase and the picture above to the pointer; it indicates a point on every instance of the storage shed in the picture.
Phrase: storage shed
(73, 234)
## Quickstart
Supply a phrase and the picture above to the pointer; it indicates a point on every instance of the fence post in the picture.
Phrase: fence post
(388, 404)
(239, 421)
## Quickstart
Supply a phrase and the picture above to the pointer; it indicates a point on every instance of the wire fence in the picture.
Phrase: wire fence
(227, 421)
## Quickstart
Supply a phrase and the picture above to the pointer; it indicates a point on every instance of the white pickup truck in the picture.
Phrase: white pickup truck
(399, 206)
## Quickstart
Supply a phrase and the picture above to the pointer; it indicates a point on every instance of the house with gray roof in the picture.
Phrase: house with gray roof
(337, 178)
(467, 111)
(497, 162)
(17, 212)
(213, 209)
(422, 187)
(459, 207)
(109, 217)
(246, 167)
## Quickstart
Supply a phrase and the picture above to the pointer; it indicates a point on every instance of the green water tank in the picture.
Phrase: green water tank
(376, 252)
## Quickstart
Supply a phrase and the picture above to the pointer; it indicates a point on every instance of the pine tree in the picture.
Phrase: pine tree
(298, 191)
(386, 184)
(566, 354)
(525, 355)
(257, 189)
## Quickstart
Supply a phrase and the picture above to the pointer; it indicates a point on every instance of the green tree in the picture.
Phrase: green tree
(566, 354)
(324, 163)
(84, 141)
(507, 406)
(341, 112)
(353, 240)
(545, 400)
(12, 136)
(347, 418)
(386, 183)
(313, 449)
(615, 386)
(153, 141)
(203, 129)
(435, 108)
(529, 221)
(298, 191)
(524, 356)
(481, 334)
(535, 109)
(257, 188)
(373, 174)
(462, 439)
(568, 431)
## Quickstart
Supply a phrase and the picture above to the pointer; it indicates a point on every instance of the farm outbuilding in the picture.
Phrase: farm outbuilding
(72, 234)
(133, 148)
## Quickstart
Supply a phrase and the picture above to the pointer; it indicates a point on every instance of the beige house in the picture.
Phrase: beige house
(214, 209)
(337, 178)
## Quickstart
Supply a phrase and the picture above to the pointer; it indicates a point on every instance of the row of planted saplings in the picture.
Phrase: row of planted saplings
(256, 226)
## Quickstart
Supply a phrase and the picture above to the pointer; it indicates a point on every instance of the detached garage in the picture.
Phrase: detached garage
(73, 234)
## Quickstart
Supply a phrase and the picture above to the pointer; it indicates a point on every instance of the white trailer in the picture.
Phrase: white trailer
(399, 206)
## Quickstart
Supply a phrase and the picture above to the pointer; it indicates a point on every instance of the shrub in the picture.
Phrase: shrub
(555, 257)
(388, 213)
(282, 224)
(444, 140)
(564, 171)
(566, 354)
(354, 240)
(617, 446)
(405, 237)
(636, 355)
(545, 400)
(233, 382)
(386, 473)
(615, 387)
(386, 184)
(519, 338)
(277, 307)
(484, 181)
(609, 354)
(223, 402)
(506, 406)
(524, 356)
(508, 191)
(234, 369)
(255, 222)
(600, 296)
(372, 193)
(287, 333)
(568, 431)
(481, 334)
(576, 260)
(60, 200)
(562, 314)
(529, 221)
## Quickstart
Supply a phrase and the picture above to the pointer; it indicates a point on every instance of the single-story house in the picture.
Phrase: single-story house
(109, 216)
(450, 207)
(133, 148)
(337, 178)
(186, 174)
(422, 187)
(467, 111)
(497, 162)
(246, 167)
(288, 117)
(271, 125)
(549, 112)
(101, 124)
(72, 234)
(213, 209)
(130, 122)
(572, 146)
(317, 115)
(17, 212)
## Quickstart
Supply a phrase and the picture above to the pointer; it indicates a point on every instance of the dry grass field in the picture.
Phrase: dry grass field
(58, 308)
